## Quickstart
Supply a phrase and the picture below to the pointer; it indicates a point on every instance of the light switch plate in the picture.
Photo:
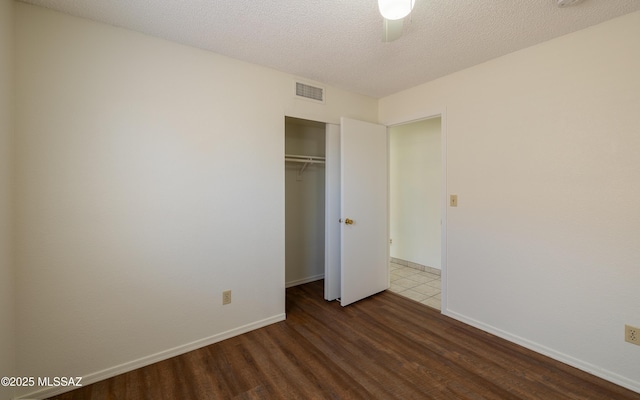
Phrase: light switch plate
(453, 200)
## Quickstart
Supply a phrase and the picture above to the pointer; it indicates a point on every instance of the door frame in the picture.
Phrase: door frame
(422, 115)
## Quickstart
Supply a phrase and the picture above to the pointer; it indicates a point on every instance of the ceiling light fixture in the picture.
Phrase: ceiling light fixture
(395, 9)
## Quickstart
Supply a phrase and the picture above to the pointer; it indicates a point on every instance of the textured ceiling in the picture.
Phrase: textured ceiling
(338, 42)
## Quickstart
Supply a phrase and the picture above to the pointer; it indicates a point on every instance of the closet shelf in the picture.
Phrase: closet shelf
(305, 160)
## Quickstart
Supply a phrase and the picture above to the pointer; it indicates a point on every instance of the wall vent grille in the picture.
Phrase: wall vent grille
(310, 92)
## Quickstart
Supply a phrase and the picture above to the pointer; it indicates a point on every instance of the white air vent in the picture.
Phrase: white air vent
(309, 92)
(567, 3)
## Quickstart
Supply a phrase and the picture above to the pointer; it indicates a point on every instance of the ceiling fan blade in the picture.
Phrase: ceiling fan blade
(391, 29)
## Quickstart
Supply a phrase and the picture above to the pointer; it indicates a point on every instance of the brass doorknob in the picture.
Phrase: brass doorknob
(348, 221)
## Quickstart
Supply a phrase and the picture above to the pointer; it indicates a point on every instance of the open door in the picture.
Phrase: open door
(364, 255)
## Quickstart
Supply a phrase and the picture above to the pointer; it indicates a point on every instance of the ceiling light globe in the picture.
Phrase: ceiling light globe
(395, 9)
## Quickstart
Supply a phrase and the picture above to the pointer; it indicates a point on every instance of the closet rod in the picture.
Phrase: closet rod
(304, 159)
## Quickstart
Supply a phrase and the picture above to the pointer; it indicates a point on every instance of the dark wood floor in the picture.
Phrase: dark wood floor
(383, 347)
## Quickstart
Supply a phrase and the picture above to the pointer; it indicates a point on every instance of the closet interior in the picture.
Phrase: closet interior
(304, 201)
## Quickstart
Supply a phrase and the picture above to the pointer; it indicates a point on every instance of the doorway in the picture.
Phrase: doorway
(355, 165)
(416, 192)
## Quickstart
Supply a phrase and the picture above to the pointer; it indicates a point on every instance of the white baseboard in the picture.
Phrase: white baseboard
(556, 355)
(305, 280)
(153, 358)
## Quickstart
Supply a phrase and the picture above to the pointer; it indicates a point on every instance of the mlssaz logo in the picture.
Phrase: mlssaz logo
(60, 381)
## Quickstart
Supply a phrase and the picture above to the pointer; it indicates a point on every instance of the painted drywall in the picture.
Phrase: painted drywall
(415, 170)
(7, 309)
(542, 150)
(304, 204)
(150, 179)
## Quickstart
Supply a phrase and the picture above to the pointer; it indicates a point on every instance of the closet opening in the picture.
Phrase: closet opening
(305, 143)
(332, 169)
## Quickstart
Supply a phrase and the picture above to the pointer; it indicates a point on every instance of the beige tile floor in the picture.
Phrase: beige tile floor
(424, 287)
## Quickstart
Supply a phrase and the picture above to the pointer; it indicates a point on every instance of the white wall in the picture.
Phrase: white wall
(415, 169)
(304, 201)
(150, 179)
(7, 310)
(542, 149)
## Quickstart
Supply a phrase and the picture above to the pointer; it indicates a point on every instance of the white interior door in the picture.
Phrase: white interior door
(364, 255)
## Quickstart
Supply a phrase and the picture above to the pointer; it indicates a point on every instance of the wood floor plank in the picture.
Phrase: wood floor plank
(383, 347)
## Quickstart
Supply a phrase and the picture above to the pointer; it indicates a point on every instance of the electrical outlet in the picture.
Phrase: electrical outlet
(632, 334)
(226, 297)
